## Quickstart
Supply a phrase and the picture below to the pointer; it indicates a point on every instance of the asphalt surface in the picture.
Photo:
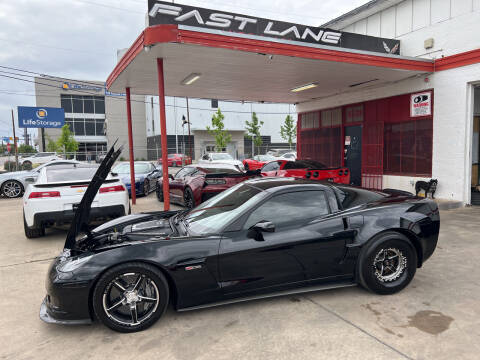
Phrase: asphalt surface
(436, 317)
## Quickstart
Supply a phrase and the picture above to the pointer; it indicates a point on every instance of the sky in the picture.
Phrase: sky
(79, 38)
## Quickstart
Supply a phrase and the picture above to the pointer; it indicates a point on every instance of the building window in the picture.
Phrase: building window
(354, 114)
(310, 120)
(80, 104)
(214, 103)
(408, 148)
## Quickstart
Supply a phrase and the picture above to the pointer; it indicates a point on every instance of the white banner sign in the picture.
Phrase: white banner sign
(421, 104)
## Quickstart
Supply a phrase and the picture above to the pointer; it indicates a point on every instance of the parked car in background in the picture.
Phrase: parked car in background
(261, 238)
(257, 161)
(291, 156)
(176, 160)
(146, 174)
(222, 158)
(13, 184)
(306, 169)
(99, 158)
(194, 184)
(39, 158)
(55, 196)
(278, 152)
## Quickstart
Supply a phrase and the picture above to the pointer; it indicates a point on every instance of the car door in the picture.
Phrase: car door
(303, 247)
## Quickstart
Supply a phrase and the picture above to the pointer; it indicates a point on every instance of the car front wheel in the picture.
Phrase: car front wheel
(188, 199)
(12, 189)
(130, 297)
(146, 188)
(388, 264)
(159, 192)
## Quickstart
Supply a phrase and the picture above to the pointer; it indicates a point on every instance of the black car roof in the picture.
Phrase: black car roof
(283, 182)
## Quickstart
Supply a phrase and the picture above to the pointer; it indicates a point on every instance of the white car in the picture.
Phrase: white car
(222, 158)
(291, 156)
(54, 197)
(39, 158)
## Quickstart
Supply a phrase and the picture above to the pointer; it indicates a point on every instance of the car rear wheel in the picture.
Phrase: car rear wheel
(33, 232)
(188, 199)
(388, 264)
(130, 297)
(146, 187)
(12, 189)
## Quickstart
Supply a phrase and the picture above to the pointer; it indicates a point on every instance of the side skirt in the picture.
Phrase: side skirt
(275, 294)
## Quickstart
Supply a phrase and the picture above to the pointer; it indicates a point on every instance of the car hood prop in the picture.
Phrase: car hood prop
(82, 214)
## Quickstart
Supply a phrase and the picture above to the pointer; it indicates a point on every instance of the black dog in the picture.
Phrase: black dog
(427, 187)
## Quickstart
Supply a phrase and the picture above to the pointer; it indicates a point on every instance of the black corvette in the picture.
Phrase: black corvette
(261, 238)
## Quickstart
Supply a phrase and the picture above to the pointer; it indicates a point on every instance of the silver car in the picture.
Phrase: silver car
(13, 184)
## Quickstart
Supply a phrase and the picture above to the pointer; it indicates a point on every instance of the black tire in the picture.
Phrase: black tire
(188, 198)
(102, 297)
(12, 189)
(146, 187)
(160, 193)
(32, 233)
(391, 273)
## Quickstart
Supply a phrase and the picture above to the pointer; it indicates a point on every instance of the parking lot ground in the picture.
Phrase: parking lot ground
(436, 317)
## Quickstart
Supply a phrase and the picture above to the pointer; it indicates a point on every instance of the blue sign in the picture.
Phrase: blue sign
(40, 117)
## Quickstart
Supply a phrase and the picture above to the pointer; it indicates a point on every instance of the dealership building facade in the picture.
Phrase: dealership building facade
(393, 134)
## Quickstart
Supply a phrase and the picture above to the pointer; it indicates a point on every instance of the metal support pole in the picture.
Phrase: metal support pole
(189, 139)
(133, 188)
(163, 132)
(15, 142)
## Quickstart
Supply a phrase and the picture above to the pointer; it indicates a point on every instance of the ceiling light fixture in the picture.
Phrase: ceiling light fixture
(190, 79)
(304, 87)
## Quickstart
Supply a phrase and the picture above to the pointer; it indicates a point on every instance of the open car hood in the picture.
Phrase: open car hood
(82, 214)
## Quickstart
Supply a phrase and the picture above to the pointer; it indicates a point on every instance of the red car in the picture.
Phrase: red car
(306, 169)
(257, 161)
(194, 184)
(176, 160)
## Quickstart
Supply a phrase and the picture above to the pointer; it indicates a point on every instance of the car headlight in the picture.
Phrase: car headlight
(70, 265)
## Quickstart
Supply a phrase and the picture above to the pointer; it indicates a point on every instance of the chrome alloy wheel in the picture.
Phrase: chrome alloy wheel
(12, 189)
(130, 299)
(389, 264)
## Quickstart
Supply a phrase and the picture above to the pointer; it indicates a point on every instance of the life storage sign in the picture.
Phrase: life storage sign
(421, 104)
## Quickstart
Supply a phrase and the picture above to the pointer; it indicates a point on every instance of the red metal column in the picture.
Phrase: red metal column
(130, 147)
(163, 130)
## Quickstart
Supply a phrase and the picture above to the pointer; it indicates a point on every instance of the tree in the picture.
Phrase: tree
(253, 131)
(288, 131)
(217, 130)
(51, 145)
(26, 149)
(66, 142)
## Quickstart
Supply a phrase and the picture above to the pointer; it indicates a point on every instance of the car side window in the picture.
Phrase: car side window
(180, 174)
(274, 165)
(290, 208)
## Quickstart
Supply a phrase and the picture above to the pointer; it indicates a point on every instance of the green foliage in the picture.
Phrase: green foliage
(3, 149)
(10, 166)
(253, 131)
(51, 145)
(121, 158)
(288, 131)
(66, 142)
(26, 149)
(217, 130)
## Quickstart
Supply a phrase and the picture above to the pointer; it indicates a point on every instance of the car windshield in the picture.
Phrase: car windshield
(221, 157)
(72, 173)
(124, 168)
(266, 157)
(212, 215)
(171, 156)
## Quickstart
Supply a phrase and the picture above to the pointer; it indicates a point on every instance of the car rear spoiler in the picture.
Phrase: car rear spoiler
(82, 214)
(240, 174)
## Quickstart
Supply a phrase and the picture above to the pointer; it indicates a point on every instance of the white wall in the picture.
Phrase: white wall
(452, 118)
(454, 25)
(201, 113)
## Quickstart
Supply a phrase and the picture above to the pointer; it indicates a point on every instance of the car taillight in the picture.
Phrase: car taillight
(345, 172)
(215, 181)
(308, 175)
(340, 173)
(44, 194)
(109, 189)
(315, 174)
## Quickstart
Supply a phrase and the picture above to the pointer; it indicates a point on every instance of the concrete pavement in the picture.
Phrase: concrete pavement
(436, 317)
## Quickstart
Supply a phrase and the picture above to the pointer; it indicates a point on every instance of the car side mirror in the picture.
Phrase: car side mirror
(170, 176)
(257, 230)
